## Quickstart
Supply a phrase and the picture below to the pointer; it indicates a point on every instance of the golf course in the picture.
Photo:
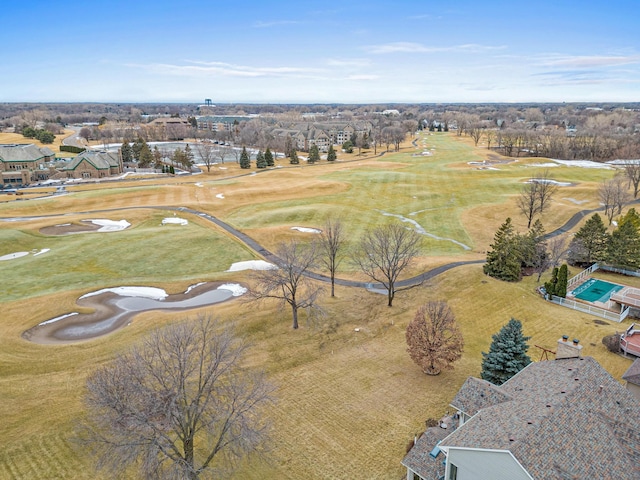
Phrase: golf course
(348, 397)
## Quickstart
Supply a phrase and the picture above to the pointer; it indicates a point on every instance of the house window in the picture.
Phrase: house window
(453, 472)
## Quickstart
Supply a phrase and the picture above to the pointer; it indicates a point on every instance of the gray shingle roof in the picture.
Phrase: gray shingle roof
(563, 419)
(476, 394)
(100, 160)
(418, 458)
(22, 152)
(632, 375)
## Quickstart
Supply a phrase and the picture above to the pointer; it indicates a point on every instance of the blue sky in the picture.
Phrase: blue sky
(320, 52)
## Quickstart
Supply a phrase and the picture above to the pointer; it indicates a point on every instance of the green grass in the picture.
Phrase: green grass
(348, 402)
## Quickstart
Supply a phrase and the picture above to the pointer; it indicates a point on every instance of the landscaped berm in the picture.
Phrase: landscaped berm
(349, 397)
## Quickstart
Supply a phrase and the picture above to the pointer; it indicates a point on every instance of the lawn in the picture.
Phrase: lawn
(348, 401)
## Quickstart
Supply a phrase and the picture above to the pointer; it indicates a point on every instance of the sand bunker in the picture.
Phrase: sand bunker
(86, 226)
(116, 307)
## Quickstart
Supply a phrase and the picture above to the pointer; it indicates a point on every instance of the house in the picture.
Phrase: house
(561, 419)
(20, 163)
(93, 164)
(171, 128)
(632, 377)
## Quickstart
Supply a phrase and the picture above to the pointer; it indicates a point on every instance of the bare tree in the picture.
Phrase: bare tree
(632, 171)
(180, 405)
(490, 135)
(385, 252)
(331, 242)
(289, 282)
(206, 152)
(546, 189)
(535, 196)
(613, 196)
(433, 339)
(476, 134)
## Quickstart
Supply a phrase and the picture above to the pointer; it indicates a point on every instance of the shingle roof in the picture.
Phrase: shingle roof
(22, 152)
(100, 160)
(565, 419)
(632, 375)
(476, 394)
(418, 458)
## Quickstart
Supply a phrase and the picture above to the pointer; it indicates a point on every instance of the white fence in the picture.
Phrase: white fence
(582, 275)
(598, 312)
(621, 271)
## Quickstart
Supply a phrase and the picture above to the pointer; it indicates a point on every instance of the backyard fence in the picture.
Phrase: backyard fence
(598, 312)
(582, 275)
(621, 271)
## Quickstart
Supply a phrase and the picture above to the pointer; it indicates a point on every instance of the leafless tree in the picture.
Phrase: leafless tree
(385, 252)
(434, 340)
(535, 196)
(330, 247)
(632, 171)
(180, 405)
(490, 135)
(222, 153)
(546, 189)
(613, 196)
(289, 282)
(476, 134)
(206, 152)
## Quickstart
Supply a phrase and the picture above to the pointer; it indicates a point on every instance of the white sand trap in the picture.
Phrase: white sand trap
(110, 225)
(175, 221)
(306, 229)
(577, 202)
(11, 256)
(235, 289)
(144, 292)
(251, 265)
(220, 195)
(44, 250)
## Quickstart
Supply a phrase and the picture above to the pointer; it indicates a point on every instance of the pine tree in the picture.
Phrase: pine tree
(563, 278)
(507, 354)
(503, 261)
(261, 162)
(552, 285)
(145, 158)
(293, 157)
(314, 154)
(268, 157)
(623, 249)
(245, 162)
(331, 154)
(126, 152)
(589, 243)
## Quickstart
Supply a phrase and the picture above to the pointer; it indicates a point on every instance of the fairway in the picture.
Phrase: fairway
(349, 399)
(594, 290)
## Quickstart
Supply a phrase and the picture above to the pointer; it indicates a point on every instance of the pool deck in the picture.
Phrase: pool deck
(630, 341)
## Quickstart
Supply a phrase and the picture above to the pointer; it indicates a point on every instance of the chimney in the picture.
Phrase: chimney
(567, 349)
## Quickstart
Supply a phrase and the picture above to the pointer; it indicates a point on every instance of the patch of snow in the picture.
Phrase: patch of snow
(306, 229)
(58, 318)
(220, 195)
(191, 287)
(582, 164)
(111, 225)
(222, 168)
(198, 184)
(420, 229)
(549, 181)
(175, 221)
(251, 265)
(542, 165)
(614, 223)
(44, 250)
(11, 256)
(236, 289)
(142, 292)
(63, 225)
(577, 202)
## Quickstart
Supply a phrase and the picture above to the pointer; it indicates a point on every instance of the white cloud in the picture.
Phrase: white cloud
(411, 47)
(591, 61)
(201, 68)
(363, 77)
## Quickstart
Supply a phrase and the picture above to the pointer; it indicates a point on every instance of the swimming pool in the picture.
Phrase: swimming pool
(594, 290)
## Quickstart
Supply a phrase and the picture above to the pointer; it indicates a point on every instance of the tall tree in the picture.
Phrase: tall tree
(507, 354)
(293, 157)
(331, 154)
(261, 162)
(314, 154)
(289, 282)
(332, 240)
(206, 152)
(145, 158)
(180, 405)
(245, 162)
(385, 252)
(434, 340)
(613, 196)
(126, 152)
(563, 278)
(535, 196)
(268, 157)
(632, 171)
(623, 249)
(589, 243)
(503, 260)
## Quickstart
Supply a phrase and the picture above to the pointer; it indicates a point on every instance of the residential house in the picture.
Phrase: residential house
(21, 164)
(560, 419)
(632, 377)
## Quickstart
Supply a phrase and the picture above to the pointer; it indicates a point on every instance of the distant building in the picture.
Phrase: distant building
(93, 164)
(560, 419)
(22, 164)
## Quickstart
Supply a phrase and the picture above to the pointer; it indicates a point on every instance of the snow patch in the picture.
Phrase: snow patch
(58, 318)
(143, 292)
(235, 289)
(175, 221)
(11, 256)
(44, 250)
(252, 265)
(110, 225)
(420, 229)
(549, 181)
(220, 195)
(191, 287)
(306, 229)
(577, 202)
(583, 164)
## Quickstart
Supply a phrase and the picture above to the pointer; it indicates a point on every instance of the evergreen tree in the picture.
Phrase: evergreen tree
(245, 162)
(552, 285)
(293, 157)
(589, 244)
(157, 156)
(126, 152)
(188, 156)
(623, 249)
(137, 148)
(561, 287)
(268, 157)
(503, 261)
(261, 162)
(348, 146)
(507, 354)
(172, 170)
(331, 154)
(314, 154)
(288, 146)
(145, 158)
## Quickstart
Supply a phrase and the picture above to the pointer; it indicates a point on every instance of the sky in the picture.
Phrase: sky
(301, 51)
